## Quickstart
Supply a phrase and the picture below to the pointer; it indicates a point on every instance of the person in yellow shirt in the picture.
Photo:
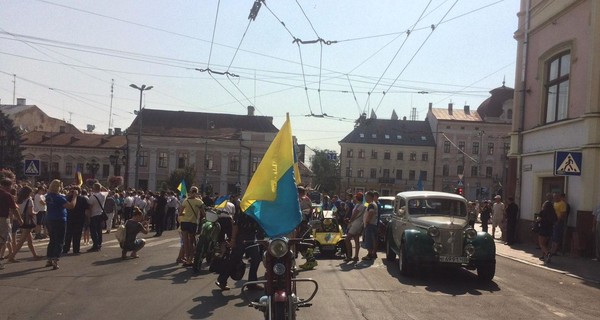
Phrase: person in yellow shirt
(190, 212)
(560, 207)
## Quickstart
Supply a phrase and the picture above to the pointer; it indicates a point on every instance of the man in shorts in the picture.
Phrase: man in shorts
(8, 211)
(370, 222)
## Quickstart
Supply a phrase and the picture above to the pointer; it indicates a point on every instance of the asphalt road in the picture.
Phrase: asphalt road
(101, 286)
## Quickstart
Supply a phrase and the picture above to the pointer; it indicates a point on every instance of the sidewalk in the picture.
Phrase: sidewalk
(585, 269)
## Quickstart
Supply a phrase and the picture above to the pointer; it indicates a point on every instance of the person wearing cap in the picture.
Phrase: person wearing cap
(498, 218)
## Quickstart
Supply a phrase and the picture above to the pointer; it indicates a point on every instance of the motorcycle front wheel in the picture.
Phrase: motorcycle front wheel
(201, 247)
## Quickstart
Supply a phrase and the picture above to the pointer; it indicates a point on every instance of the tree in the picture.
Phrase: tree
(187, 173)
(11, 153)
(326, 170)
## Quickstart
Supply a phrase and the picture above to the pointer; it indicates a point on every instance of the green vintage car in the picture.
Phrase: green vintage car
(429, 228)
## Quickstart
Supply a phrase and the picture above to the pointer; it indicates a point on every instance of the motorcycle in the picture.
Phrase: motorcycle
(207, 244)
(280, 300)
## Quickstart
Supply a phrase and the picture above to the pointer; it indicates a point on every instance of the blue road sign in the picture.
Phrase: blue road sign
(32, 167)
(567, 163)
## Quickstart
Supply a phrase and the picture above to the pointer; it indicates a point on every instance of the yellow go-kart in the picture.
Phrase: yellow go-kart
(328, 235)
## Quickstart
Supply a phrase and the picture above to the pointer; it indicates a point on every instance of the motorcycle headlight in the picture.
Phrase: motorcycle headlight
(279, 269)
(433, 232)
(470, 249)
(471, 233)
(278, 247)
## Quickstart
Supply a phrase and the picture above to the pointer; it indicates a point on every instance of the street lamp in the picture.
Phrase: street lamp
(93, 167)
(116, 160)
(139, 134)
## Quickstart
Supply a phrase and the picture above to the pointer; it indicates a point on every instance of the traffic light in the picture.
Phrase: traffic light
(459, 191)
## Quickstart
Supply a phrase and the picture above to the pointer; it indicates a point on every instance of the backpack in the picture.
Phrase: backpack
(120, 233)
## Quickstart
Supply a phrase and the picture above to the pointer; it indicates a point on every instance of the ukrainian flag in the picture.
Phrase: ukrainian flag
(272, 195)
(221, 202)
(182, 189)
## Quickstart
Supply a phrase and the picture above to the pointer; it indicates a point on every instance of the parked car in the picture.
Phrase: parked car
(386, 207)
(429, 228)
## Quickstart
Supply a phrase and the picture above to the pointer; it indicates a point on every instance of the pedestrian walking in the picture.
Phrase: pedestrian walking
(512, 216)
(110, 208)
(190, 212)
(26, 211)
(39, 206)
(355, 227)
(486, 213)
(546, 219)
(498, 210)
(96, 203)
(8, 211)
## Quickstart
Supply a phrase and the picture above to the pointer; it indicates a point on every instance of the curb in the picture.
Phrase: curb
(547, 268)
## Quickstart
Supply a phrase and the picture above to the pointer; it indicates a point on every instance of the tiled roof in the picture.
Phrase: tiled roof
(458, 114)
(391, 132)
(76, 140)
(193, 124)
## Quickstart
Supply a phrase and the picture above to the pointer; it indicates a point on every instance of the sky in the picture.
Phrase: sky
(366, 56)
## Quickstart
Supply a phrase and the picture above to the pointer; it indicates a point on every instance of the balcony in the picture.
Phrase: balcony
(387, 180)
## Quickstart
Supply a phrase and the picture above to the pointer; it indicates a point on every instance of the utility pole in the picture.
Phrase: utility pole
(14, 89)
(112, 85)
(139, 133)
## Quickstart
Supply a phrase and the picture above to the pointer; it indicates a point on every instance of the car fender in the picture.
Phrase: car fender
(485, 247)
(417, 243)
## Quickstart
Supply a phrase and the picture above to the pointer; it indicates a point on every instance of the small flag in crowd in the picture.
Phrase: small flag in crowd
(182, 189)
(221, 202)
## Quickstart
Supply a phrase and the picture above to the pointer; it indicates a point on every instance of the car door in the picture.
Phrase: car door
(399, 220)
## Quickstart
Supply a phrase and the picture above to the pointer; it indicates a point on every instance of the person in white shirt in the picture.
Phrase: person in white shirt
(172, 206)
(39, 208)
(498, 216)
(128, 206)
(96, 203)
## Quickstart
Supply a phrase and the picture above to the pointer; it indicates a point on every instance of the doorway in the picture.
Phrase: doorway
(552, 185)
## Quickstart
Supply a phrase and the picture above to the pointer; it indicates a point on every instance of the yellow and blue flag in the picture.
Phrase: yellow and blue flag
(272, 195)
(78, 178)
(221, 202)
(182, 189)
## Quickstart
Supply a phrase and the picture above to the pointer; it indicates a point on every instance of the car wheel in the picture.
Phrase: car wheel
(406, 268)
(390, 255)
(486, 272)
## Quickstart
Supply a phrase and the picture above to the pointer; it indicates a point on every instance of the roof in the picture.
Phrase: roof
(194, 124)
(430, 194)
(391, 132)
(10, 109)
(492, 106)
(458, 114)
(76, 140)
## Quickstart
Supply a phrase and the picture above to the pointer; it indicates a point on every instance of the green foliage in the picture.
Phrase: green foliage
(187, 173)
(11, 153)
(326, 171)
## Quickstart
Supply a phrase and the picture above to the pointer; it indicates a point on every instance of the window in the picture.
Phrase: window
(399, 137)
(446, 146)
(445, 170)
(490, 148)
(423, 175)
(387, 155)
(350, 153)
(474, 171)
(411, 175)
(386, 173)
(373, 135)
(255, 163)
(475, 149)
(400, 156)
(423, 138)
(557, 86)
(373, 173)
(360, 173)
(509, 114)
(461, 146)
(488, 172)
(234, 163)
(387, 137)
(208, 162)
(69, 168)
(460, 170)
(182, 160)
(424, 156)
(80, 167)
(399, 174)
(373, 154)
(348, 172)
(361, 154)
(105, 170)
(362, 135)
(163, 159)
(143, 159)
(413, 156)
(506, 147)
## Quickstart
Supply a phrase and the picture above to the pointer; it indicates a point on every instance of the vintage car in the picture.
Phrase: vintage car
(429, 228)
(386, 207)
(328, 235)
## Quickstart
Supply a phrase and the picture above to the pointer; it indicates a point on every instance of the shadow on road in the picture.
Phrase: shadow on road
(453, 281)
(167, 272)
(207, 304)
(109, 261)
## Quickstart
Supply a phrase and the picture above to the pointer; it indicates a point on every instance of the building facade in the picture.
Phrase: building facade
(389, 156)
(472, 146)
(32, 118)
(557, 108)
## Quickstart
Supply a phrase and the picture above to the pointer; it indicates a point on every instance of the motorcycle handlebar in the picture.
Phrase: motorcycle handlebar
(291, 241)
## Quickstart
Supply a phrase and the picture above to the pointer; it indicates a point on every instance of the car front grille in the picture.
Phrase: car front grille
(451, 241)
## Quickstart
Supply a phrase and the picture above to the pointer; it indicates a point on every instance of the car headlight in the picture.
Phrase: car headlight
(471, 233)
(470, 249)
(437, 247)
(278, 247)
(433, 232)
(279, 269)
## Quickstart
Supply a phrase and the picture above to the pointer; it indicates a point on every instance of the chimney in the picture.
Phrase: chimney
(467, 109)
(62, 129)
(21, 101)
(450, 108)
(117, 131)
(110, 131)
(404, 118)
(251, 110)
(430, 106)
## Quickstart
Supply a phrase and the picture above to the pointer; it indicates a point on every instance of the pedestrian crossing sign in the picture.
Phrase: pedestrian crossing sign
(567, 163)
(32, 167)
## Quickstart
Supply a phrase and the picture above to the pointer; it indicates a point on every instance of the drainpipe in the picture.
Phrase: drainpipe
(525, 53)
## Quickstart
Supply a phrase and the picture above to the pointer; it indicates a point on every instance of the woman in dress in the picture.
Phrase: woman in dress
(25, 203)
(56, 220)
(355, 227)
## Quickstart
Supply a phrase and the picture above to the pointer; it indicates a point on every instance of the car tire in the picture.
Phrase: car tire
(486, 272)
(406, 268)
(390, 255)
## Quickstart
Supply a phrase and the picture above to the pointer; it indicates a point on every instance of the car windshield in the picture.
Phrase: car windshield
(387, 206)
(437, 207)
